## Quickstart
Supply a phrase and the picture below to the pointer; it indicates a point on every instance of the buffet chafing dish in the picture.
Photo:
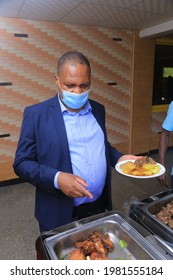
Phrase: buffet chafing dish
(59, 242)
(144, 212)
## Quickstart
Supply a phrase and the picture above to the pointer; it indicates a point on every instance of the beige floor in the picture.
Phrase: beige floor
(19, 229)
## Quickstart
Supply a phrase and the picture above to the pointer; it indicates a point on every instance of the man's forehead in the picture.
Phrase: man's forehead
(71, 64)
(74, 69)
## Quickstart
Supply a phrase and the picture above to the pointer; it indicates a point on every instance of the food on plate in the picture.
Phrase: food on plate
(127, 167)
(144, 166)
(95, 247)
(166, 214)
(144, 160)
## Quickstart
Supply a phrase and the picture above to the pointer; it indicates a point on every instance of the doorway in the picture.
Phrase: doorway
(163, 74)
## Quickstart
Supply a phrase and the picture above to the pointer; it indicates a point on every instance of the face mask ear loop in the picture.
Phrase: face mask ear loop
(58, 83)
(60, 88)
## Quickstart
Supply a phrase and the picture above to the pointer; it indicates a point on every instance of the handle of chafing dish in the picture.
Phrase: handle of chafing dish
(166, 245)
(160, 194)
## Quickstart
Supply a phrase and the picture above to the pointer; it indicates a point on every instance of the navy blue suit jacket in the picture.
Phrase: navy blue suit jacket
(43, 150)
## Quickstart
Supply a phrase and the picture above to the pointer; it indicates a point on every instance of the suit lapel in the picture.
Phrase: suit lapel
(98, 115)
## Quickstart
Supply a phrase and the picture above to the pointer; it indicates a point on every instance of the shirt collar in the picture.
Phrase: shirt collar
(84, 111)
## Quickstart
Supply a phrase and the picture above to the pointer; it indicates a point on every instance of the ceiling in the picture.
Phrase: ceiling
(152, 16)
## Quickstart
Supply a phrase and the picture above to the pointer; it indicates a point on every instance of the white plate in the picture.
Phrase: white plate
(117, 167)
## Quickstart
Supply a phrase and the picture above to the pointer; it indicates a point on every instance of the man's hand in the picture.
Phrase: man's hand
(129, 157)
(164, 180)
(72, 185)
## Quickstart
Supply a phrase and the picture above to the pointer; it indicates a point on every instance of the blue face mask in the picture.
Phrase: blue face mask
(74, 100)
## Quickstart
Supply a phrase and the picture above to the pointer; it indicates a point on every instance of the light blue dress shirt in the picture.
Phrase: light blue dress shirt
(87, 150)
(168, 122)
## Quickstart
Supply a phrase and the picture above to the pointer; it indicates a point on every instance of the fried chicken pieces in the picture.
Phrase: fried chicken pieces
(144, 166)
(165, 215)
(95, 247)
(77, 255)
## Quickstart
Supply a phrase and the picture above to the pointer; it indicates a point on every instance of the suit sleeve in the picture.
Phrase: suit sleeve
(25, 164)
(114, 155)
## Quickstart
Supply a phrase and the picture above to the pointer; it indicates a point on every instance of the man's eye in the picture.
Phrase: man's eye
(84, 86)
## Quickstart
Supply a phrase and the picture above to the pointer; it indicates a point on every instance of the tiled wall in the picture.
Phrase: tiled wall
(29, 51)
(142, 76)
(156, 127)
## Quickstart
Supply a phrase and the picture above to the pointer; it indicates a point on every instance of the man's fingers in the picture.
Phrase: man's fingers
(82, 182)
(73, 186)
(83, 191)
(164, 183)
(82, 194)
(89, 194)
(84, 185)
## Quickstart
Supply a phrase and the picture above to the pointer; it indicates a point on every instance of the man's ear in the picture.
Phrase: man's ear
(56, 80)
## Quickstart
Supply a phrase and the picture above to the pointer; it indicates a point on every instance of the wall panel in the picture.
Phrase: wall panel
(29, 63)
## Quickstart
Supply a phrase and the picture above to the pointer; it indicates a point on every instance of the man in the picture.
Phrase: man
(63, 149)
(167, 128)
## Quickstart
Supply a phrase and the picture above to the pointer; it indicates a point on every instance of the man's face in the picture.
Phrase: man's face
(74, 78)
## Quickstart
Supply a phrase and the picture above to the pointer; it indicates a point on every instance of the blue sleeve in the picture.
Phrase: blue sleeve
(25, 163)
(114, 155)
(168, 122)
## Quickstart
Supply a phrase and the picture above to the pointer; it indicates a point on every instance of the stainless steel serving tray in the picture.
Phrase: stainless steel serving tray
(145, 212)
(60, 245)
